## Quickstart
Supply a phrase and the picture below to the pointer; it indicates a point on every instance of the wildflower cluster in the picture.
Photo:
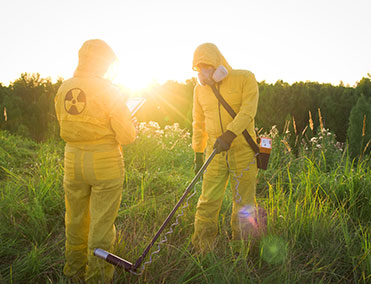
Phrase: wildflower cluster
(166, 138)
(150, 129)
(324, 148)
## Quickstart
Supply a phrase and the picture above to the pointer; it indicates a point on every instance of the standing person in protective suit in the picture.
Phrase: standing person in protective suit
(214, 128)
(94, 121)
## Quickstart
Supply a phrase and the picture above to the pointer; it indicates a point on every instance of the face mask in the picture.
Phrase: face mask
(210, 76)
(220, 73)
(205, 75)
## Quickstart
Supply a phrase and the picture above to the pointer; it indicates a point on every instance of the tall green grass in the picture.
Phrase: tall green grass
(318, 204)
(31, 202)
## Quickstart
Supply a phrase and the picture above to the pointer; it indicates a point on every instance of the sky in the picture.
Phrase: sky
(326, 41)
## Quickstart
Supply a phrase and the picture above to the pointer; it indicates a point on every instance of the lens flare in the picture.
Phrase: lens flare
(273, 250)
(247, 218)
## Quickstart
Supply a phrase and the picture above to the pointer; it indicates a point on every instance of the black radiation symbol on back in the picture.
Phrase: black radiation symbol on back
(75, 101)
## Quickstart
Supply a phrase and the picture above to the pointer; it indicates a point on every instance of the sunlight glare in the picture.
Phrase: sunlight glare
(133, 78)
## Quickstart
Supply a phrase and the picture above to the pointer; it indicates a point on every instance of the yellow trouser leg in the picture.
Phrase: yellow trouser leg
(242, 171)
(93, 186)
(77, 218)
(105, 202)
(243, 185)
(213, 188)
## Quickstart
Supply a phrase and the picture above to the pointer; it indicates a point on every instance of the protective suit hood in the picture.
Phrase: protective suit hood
(208, 53)
(95, 56)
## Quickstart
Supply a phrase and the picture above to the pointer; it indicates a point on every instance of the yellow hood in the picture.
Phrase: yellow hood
(95, 56)
(208, 53)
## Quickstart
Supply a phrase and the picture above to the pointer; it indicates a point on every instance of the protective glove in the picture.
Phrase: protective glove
(224, 141)
(199, 161)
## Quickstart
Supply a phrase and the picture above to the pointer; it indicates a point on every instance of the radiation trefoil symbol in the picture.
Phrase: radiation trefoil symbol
(75, 101)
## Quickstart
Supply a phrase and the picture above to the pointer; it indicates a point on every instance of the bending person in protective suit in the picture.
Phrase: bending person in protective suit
(214, 128)
(94, 121)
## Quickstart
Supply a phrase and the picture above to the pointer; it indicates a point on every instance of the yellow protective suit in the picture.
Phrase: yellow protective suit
(210, 120)
(94, 121)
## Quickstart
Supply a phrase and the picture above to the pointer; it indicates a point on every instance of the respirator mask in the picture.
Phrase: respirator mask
(210, 75)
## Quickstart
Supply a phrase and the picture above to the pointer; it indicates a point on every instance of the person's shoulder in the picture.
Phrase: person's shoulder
(116, 95)
(104, 83)
(65, 84)
(113, 88)
(198, 88)
(242, 73)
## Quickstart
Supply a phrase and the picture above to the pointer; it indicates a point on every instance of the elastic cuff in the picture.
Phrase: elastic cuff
(229, 136)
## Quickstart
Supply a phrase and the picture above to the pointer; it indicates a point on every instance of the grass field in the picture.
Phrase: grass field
(318, 203)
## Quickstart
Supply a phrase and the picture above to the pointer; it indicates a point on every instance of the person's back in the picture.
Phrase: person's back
(94, 121)
(84, 110)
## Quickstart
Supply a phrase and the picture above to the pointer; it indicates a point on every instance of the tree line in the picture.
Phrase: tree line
(27, 108)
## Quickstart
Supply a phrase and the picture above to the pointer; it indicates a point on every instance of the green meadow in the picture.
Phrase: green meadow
(316, 196)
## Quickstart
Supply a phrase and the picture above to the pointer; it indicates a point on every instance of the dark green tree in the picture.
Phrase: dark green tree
(359, 130)
(169, 103)
(29, 103)
(364, 86)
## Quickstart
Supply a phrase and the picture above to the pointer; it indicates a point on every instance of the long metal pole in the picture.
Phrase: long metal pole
(128, 266)
(188, 189)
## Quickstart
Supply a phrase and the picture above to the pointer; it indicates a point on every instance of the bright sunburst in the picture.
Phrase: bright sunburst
(130, 77)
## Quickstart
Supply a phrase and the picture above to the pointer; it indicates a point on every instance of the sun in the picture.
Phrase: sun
(133, 78)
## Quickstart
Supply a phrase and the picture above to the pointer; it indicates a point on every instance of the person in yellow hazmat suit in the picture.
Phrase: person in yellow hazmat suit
(94, 122)
(214, 128)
